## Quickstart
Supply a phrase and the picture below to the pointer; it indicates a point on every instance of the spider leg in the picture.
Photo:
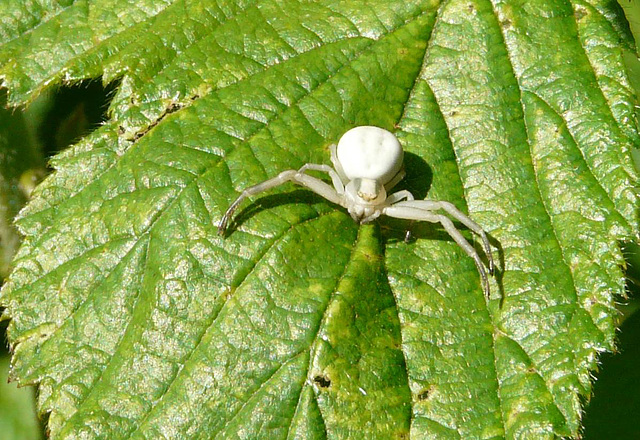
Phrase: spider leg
(335, 177)
(398, 196)
(336, 163)
(316, 185)
(413, 211)
(394, 181)
(372, 217)
(449, 208)
(395, 198)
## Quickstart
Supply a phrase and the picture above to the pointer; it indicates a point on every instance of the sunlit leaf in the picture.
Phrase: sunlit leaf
(138, 321)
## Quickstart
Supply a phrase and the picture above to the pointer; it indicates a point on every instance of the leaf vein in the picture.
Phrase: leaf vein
(214, 317)
(84, 399)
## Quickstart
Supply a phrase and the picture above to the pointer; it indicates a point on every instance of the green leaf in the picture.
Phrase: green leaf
(17, 408)
(632, 13)
(138, 321)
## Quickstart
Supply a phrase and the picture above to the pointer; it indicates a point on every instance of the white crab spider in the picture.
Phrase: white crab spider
(368, 162)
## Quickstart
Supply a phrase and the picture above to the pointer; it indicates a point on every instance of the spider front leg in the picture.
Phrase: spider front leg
(334, 194)
(422, 210)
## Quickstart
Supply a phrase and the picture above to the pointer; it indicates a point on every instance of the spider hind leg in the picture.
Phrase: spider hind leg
(422, 210)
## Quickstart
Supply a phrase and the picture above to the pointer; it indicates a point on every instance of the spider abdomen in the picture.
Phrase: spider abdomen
(371, 153)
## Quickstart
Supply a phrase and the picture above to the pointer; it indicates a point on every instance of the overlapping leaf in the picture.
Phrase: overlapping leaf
(138, 321)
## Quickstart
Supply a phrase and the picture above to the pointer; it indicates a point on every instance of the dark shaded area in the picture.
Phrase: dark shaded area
(322, 381)
(21, 167)
(4, 346)
(418, 178)
(74, 112)
(424, 394)
(614, 410)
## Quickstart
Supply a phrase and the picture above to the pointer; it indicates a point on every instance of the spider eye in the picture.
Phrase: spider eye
(370, 153)
(369, 190)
